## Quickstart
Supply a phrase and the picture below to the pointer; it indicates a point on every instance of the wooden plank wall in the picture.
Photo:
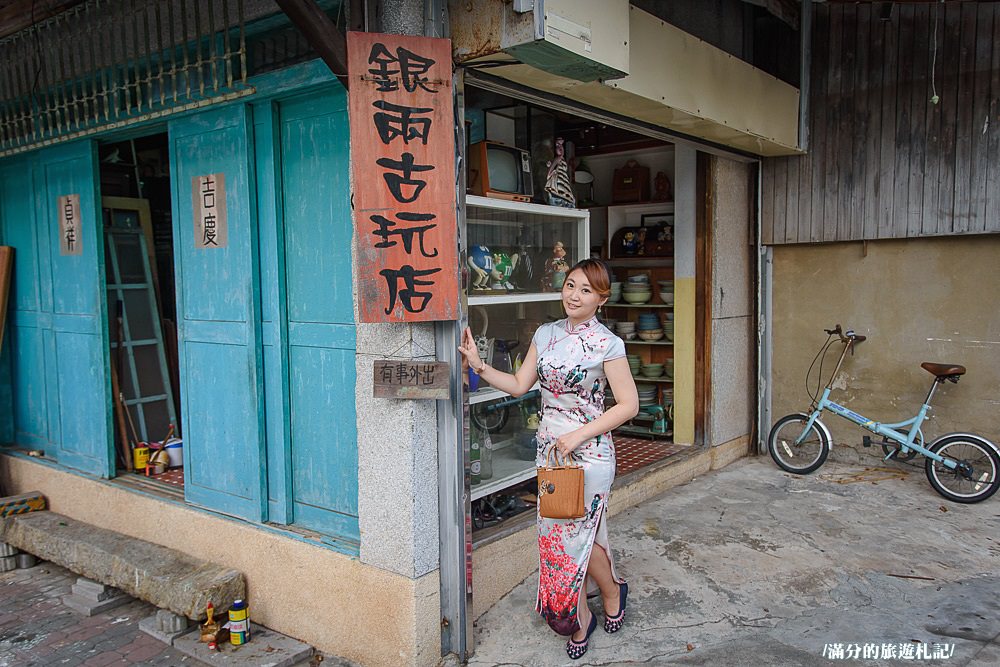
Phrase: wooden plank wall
(884, 162)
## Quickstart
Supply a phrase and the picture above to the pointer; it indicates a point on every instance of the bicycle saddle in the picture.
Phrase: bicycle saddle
(943, 370)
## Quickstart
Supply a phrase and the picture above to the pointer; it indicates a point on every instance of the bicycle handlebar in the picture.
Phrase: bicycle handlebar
(845, 336)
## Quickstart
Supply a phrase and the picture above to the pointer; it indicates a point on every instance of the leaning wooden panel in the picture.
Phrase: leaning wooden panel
(6, 267)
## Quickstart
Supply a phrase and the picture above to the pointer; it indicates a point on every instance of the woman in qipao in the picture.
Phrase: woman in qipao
(573, 360)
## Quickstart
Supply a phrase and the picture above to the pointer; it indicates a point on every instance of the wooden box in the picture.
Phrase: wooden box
(631, 184)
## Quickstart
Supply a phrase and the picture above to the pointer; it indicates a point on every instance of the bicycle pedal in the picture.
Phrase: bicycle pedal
(866, 441)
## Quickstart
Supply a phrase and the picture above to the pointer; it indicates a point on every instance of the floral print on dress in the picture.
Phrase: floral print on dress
(573, 383)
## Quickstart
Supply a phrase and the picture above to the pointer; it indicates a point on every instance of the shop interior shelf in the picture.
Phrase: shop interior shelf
(507, 471)
(639, 379)
(640, 262)
(642, 431)
(638, 305)
(522, 207)
(489, 394)
(648, 342)
(513, 297)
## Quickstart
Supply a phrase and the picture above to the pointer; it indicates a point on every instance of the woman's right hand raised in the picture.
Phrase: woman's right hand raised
(470, 351)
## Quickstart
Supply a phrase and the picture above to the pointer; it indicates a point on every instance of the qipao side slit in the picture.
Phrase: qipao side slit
(573, 383)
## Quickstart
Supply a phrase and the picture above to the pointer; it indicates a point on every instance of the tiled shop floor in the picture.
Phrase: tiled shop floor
(37, 629)
(633, 453)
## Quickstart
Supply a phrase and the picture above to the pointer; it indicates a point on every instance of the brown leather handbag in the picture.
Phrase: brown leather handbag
(560, 489)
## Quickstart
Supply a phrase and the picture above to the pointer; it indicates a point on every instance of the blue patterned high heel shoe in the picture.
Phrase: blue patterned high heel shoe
(575, 650)
(613, 624)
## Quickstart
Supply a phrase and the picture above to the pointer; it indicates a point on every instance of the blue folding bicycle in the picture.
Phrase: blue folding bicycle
(962, 467)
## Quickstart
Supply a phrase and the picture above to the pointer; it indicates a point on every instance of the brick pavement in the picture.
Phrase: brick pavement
(37, 629)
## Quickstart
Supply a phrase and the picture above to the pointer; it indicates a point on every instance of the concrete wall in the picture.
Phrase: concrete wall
(332, 601)
(916, 300)
(732, 405)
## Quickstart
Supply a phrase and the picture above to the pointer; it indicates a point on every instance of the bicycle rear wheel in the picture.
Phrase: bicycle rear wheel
(975, 479)
(801, 458)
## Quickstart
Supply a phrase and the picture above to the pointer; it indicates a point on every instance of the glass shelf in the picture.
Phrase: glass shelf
(512, 297)
(508, 470)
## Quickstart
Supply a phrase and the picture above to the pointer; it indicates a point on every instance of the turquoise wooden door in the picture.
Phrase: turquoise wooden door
(323, 455)
(218, 294)
(61, 381)
(308, 314)
(26, 319)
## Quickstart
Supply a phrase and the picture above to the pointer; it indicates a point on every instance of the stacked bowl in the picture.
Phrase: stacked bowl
(625, 329)
(637, 289)
(634, 362)
(616, 292)
(666, 291)
(647, 394)
(668, 370)
(652, 370)
(649, 327)
(668, 330)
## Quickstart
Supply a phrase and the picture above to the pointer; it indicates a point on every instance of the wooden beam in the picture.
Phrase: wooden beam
(786, 10)
(18, 15)
(321, 33)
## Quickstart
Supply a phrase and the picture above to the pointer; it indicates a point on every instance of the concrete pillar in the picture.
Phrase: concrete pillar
(397, 457)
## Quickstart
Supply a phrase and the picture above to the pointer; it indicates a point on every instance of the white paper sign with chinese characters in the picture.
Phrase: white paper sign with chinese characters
(70, 239)
(209, 197)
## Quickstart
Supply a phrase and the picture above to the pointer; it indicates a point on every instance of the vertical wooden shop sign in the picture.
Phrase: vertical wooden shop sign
(208, 195)
(402, 156)
(70, 242)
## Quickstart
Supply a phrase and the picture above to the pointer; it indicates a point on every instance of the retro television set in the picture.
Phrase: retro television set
(500, 171)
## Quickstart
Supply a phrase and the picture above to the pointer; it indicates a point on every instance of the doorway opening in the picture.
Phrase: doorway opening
(141, 295)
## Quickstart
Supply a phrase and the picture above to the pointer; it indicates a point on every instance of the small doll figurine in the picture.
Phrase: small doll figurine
(558, 191)
(555, 268)
(662, 189)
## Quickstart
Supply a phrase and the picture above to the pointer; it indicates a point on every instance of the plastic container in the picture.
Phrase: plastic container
(175, 451)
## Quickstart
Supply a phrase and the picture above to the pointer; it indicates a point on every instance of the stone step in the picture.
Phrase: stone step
(162, 576)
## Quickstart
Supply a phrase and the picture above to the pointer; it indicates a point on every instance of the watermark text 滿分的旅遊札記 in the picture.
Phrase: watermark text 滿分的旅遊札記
(890, 651)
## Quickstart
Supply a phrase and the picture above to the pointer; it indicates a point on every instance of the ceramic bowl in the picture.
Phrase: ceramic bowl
(645, 371)
(625, 326)
(641, 278)
(651, 335)
(637, 297)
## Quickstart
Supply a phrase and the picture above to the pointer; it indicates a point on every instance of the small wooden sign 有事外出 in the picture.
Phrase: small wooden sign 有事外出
(408, 378)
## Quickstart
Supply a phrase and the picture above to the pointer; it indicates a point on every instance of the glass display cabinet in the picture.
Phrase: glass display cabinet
(518, 256)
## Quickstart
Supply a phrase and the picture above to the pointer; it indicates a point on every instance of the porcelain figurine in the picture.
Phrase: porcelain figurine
(558, 191)
(555, 268)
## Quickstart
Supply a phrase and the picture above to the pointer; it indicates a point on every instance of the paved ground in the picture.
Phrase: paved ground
(753, 566)
(37, 629)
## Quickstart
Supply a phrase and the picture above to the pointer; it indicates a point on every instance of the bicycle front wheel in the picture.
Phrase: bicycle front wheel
(975, 478)
(792, 454)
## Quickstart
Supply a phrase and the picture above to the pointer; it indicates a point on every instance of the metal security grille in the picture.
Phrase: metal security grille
(109, 63)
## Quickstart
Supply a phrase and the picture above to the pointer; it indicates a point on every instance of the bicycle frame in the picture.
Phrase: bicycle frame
(893, 431)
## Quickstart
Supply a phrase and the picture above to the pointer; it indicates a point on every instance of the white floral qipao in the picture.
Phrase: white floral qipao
(572, 379)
